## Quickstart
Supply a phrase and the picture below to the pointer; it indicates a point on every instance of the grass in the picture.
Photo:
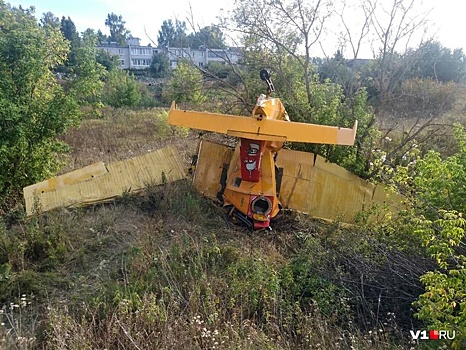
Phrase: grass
(121, 134)
(164, 270)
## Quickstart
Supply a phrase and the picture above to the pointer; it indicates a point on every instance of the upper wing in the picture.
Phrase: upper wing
(265, 129)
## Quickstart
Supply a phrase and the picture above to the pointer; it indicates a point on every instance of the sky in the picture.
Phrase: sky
(144, 17)
(141, 16)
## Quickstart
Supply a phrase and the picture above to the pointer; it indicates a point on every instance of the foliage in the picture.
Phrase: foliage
(83, 73)
(184, 85)
(164, 269)
(423, 99)
(48, 18)
(172, 34)
(209, 36)
(344, 72)
(221, 71)
(329, 106)
(148, 96)
(444, 301)
(420, 117)
(160, 65)
(68, 29)
(106, 59)
(118, 32)
(101, 37)
(433, 182)
(121, 90)
(86, 85)
(34, 108)
(440, 63)
(436, 188)
(164, 129)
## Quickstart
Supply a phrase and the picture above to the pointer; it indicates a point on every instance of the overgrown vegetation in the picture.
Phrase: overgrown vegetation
(165, 270)
(35, 109)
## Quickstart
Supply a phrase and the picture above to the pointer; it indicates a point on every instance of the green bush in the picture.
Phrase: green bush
(163, 129)
(184, 85)
(436, 188)
(34, 108)
(121, 90)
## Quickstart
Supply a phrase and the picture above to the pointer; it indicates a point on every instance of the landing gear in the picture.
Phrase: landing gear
(233, 214)
(243, 219)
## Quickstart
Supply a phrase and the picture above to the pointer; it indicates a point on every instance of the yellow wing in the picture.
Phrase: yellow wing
(265, 129)
(309, 184)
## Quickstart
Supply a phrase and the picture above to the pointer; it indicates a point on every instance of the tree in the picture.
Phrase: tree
(160, 65)
(70, 33)
(116, 25)
(185, 85)
(68, 29)
(48, 18)
(101, 37)
(173, 35)
(290, 26)
(393, 24)
(387, 27)
(121, 90)
(340, 70)
(106, 59)
(167, 34)
(87, 74)
(210, 36)
(440, 63)
(35, 110)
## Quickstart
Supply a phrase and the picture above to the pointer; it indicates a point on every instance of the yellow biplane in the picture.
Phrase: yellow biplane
(251, 186)
(253, 180)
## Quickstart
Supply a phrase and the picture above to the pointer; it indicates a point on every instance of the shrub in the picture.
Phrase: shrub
(121, 90)
(184, 85)
(34, 108)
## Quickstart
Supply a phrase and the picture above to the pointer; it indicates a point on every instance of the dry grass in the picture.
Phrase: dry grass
(163, 270)
(149, 273)
(122, 134)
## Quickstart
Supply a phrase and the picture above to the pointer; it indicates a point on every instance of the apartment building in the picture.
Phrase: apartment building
(135, 56)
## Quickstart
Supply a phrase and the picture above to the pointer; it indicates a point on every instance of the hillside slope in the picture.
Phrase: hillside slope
(166, 270)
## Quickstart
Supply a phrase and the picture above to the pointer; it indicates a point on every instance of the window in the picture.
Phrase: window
(217, 54)
(201, 64)
(140, 62)
(122, 62)
(121, 51)
(140, 51)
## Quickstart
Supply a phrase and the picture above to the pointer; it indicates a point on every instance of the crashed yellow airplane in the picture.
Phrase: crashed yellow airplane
(253, 181)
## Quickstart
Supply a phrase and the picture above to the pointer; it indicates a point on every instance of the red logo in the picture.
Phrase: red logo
(433, 335)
